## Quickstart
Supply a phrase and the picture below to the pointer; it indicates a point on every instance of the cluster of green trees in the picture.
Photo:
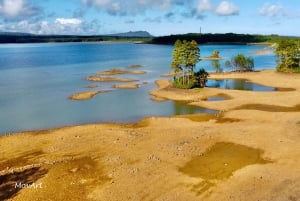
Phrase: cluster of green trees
(228, 38)
(186, 55)
(288, 54)
(238, 63)
(217, 66)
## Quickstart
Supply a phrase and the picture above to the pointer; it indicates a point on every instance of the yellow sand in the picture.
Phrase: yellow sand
(126, 86)
(148, 160)
(116, 71)
(108, 79)
(86, 95)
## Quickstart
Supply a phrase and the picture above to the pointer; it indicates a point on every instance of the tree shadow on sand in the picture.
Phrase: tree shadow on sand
(8, 189)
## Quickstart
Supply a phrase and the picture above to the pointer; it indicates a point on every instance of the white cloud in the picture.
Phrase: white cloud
(96, 2)
(226, 8)
(115, 8)
(68, 21)
(191, 8)
(271, 10)
(132, 7)
(58, 26)
(11, 9)
(204, 5)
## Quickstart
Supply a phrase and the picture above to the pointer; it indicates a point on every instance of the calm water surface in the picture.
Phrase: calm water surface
(36, 80)
(238, 84)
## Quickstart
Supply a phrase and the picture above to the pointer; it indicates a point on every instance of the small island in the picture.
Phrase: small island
(117, 71)
(97, 78)
(86, 95)
(213, 57)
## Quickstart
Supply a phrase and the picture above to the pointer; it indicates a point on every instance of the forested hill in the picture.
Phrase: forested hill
(227, 38)
(13, 37)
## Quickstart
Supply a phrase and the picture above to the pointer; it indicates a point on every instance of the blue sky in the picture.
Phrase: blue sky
(159, 17)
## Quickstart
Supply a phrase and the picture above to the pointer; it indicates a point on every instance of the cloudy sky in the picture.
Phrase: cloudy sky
(159, 17)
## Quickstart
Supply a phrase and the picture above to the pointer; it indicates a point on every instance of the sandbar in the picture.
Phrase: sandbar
(135, 66)
(117, 71)
(91, 86)
(86, 95)
(211, 58)
(126, 86)
(108, 79)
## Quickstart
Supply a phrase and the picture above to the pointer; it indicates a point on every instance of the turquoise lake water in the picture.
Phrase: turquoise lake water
(37, 79)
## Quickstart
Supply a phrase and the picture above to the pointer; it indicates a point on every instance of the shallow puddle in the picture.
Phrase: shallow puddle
(215, 98)
(269, 108)
(240, 84)
(218, 97)
(221, 160)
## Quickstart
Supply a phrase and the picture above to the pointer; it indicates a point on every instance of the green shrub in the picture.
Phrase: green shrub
(183, 82)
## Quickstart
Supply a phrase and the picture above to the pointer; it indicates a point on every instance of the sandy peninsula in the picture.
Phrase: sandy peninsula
(86, 95)
(91, 86)
(135, 66)
(126, 86)
(209, 58)
(97, 78)
(117, 71)
(242, 153)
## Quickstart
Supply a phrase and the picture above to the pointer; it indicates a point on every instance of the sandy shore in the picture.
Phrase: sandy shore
(250, 153)
(262, 52)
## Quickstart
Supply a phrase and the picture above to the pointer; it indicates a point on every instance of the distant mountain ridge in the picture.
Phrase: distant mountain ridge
(20, 37)
(6, 33)
(140, 34)
(130, 34)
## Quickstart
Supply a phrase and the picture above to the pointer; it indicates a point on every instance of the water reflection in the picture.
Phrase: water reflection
(181, 108)
(238, 84)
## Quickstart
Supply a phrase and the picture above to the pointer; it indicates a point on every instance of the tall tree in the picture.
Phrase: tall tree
(217, 66)
(185, 57)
